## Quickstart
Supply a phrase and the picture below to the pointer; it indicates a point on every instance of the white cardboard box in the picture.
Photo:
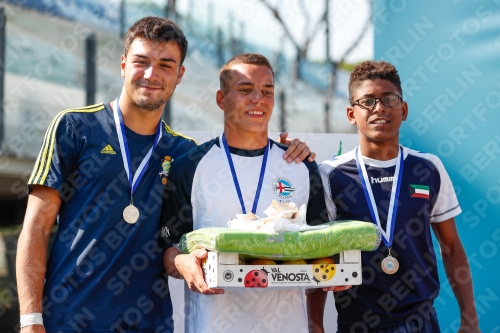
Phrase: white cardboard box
(223, 271)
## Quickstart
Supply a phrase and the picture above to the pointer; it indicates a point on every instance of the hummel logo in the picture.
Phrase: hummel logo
(165, 232)
(382, 179)
(108, 150)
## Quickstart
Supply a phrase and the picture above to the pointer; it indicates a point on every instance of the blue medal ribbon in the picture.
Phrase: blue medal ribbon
(235, 177)
(396, 185)
(135, 179)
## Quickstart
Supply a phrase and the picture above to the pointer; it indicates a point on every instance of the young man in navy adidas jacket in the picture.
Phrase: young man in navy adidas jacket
(406, 193)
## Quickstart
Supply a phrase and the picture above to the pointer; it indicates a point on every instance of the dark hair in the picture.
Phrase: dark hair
(370, 70)
(156, 29)
(245, 58)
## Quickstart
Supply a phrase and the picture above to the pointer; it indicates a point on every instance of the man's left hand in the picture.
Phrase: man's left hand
(337, 288)
(297, 150)
(468, 329)
(469, 324)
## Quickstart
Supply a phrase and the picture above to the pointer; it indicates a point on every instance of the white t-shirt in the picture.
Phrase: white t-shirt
(203, 182)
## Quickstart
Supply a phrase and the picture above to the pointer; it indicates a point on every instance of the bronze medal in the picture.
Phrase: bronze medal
(390, 265)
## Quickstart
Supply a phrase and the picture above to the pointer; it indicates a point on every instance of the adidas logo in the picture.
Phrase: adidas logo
(108, 150)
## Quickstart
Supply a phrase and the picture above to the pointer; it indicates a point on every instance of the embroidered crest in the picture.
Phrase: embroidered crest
(166, 163)
(283, 188)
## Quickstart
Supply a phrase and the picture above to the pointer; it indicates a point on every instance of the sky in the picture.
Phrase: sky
(347, 18)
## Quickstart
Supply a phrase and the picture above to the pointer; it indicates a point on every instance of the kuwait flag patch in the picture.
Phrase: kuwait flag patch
(419, 191)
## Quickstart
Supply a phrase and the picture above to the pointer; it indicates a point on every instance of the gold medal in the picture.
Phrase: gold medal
(390, 265)
(131, 214)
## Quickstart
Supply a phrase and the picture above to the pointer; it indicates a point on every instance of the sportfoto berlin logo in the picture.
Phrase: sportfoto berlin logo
(283, 188)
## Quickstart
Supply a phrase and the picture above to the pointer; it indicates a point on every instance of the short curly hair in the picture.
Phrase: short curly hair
(156, 29)
(370, 70)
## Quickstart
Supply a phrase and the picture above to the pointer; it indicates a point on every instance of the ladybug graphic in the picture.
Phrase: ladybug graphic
(256, 279)
(323, 272)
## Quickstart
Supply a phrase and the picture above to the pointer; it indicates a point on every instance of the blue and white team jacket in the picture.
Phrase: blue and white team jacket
(426, 196)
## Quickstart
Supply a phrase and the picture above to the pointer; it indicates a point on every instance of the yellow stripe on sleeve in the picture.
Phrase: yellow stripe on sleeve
(173, 133)
(44, 159)
(45, 143)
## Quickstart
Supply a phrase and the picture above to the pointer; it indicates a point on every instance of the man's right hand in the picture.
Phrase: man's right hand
(41, 214)
(189, 266)
(33, 329)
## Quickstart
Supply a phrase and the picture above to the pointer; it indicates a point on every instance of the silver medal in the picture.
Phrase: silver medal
(390, 265)
(131, 214)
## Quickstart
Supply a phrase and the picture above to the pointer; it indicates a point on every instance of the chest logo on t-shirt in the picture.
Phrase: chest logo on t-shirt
(283, 188)
(165, 232)
(108, 150)
(419, 191)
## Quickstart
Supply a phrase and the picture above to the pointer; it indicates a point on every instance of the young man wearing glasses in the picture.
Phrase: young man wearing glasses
(405, 192)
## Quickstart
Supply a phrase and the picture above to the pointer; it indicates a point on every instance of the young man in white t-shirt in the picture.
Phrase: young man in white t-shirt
(240, 171)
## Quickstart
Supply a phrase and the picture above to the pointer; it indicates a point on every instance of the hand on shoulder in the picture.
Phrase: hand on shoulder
(297, 150)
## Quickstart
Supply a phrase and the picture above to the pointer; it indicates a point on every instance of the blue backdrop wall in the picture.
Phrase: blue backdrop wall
(448, 57)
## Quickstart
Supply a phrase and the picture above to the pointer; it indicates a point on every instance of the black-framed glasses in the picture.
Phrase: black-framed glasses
(387, 100)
